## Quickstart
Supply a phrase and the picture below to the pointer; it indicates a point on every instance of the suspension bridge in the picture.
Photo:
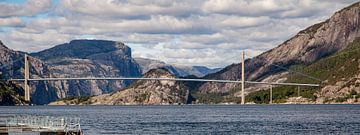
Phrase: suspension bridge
(27, 80)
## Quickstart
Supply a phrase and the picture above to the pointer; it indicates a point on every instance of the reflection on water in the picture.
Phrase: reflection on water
(205, 119)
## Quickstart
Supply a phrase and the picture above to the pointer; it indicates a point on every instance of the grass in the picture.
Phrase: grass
(215, 98)
(341, 66)
(280, 94)
(348, 96)
(76, 99)
(10, 94)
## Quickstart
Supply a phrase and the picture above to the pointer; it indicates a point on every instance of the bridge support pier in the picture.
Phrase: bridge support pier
(26, 79)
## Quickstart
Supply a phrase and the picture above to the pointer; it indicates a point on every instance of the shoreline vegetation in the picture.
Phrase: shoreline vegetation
(85, 100)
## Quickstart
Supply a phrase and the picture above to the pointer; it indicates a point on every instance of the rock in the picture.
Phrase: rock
(11, 94)
(177, 70)
(79, 58)
(298, 100)
(89, 58)
(148, 92)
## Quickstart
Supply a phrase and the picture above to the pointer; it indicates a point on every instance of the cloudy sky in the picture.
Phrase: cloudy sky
(185, 32)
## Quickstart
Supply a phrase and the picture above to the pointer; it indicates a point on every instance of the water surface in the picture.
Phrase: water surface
(206, 119)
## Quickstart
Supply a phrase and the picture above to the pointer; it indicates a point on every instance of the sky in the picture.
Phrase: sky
(183, 32)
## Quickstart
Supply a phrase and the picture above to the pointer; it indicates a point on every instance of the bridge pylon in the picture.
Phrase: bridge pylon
(26, 78)
(243, 77)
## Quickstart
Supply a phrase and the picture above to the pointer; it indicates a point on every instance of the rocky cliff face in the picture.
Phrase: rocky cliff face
(148, 92)
(89, 58)
(144, 92)
(11, 66)
(11, 94)
(177, 70)
(308, 46)
(79, 58)
(9, 60)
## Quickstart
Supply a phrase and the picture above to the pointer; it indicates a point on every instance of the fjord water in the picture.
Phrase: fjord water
(206, 119)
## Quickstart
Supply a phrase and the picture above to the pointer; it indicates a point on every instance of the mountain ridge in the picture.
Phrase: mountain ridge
(141, 92)
(178, 70)
(313, 43)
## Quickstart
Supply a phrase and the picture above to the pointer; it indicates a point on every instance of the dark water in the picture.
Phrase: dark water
(207, 119)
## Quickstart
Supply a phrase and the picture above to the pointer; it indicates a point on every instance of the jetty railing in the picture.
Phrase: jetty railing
(45, 123)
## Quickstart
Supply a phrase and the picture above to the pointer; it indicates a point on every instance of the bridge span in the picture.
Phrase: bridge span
(27, 79)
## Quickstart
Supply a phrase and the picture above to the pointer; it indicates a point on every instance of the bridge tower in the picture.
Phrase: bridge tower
(243, 77)
(26, 78)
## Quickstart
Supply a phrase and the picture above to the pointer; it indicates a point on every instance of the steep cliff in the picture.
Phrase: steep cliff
(79, 58)
(10, 60)
(11, 66)
(309, 45)
(89, 58)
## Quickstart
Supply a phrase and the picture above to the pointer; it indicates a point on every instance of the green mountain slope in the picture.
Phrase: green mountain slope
(339, 73)
(11, 94)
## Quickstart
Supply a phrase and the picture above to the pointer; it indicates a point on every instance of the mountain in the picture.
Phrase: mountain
(306, 47)
(11, 94)
(78, 58)
(9, 60)
(143, 92)
(11, 66)
(340, 73)
(89, 58)
(178, 70)
(148, 64)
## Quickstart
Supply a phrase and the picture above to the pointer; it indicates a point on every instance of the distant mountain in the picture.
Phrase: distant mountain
(178, 70)
(316, 42)
(148, 64)
(142, 92)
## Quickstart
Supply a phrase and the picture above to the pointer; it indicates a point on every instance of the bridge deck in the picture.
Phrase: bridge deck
(168, 79)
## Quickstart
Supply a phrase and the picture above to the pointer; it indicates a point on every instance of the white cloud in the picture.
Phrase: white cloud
(273, 8)
(245, 7)
(30, 8)
(128, 9)
(13, 21)
(154, 25)
(187, 32)
(31, 42)
(185, 45)
(240, 22)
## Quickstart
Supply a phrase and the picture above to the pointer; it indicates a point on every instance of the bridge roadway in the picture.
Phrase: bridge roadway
(27, 79)
(165, 79)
